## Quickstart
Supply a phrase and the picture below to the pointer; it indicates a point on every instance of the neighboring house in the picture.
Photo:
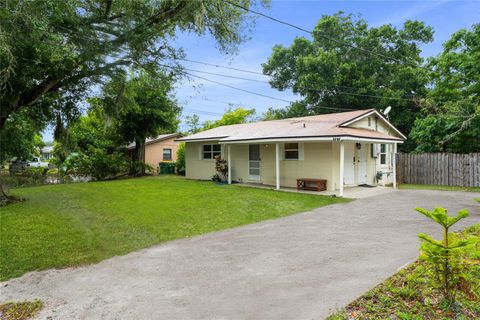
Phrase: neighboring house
(346, 149)
(162, 148)
(46, 153)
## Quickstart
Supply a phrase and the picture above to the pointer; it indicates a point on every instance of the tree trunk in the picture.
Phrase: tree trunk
(140, 155)
(5, 199)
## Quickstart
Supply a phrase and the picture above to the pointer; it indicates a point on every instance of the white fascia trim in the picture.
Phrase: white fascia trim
(312, 139)
(199, 140)
(346, 124)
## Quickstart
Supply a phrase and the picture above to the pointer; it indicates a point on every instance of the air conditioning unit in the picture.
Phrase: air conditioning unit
(375, 150)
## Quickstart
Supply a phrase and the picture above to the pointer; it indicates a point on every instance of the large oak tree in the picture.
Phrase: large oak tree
(50, 48)
(52, 52)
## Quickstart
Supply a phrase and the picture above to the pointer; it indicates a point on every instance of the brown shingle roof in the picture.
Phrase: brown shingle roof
(325, 125)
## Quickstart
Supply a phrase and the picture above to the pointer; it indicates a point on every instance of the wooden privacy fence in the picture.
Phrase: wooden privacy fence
(449, 169)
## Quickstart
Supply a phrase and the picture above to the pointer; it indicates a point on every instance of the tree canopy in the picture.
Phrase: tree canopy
(51, 51)
(348, 65)
(20, 138)
(235, 116)
(146, 108)
(450, 119)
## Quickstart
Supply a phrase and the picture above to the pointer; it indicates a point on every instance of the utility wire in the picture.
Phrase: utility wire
(256, 93)
(220, 66)
(336, 91)
(343, 43)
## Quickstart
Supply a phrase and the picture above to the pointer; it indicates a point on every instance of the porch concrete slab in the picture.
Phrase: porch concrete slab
(354, 192)
(302, 266)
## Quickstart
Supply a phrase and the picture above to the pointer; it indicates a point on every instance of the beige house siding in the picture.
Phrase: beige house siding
(154, 151)
(381, 126)
(320, 160)
(195, 167)
(316, 163)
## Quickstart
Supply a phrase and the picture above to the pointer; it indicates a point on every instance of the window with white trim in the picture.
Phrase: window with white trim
(291, 151)
(210, 151)
(167, 154)
(383, 153)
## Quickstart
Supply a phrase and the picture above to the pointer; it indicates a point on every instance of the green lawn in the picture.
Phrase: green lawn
(74, 224)
(436, 187)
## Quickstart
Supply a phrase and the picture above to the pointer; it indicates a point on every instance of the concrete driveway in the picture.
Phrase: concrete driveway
(299, 267)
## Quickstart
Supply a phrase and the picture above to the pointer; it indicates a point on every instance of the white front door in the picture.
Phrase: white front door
(362, 164)
(349, 164)
(254, 162)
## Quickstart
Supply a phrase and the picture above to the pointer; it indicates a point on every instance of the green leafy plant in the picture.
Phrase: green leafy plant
(444, 255)
(98, 164)
(181, 159)
(221, 167)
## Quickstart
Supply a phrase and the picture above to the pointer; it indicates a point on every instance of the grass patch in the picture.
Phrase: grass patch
(20, 310)
(436, 187)
(412, 294)
(74, 224)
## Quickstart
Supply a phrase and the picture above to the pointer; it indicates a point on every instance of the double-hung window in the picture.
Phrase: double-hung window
(210, 151)
(167, 154)
(291, 151)
(383, 153)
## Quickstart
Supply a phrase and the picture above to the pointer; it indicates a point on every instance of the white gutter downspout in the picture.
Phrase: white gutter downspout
(229, 163)
(342, 160)
(394, 163)
(277, 166)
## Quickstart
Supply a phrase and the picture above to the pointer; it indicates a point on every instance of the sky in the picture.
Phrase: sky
(209, 100)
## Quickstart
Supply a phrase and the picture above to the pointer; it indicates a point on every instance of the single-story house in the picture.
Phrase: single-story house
(46, 153)
(162, 148)
(346, 149)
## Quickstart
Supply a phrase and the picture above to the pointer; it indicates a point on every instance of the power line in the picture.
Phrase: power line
(219, 66)
(343, 43)
(302, 87)
(256, 93)
(210, 113)
(219, 74)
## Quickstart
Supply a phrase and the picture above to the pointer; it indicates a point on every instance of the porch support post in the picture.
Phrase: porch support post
(394, 164)
(277, 166)
(342, 160)
(229, 163)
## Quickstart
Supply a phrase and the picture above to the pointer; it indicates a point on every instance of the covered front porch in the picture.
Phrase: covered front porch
(344, 163)
(352, 192)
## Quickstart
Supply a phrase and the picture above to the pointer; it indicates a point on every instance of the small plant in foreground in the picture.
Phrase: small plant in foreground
(20, 310)
(444, 255)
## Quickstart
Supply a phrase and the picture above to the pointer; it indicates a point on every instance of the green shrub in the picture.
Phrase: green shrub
(135, 167)
(98, 164)
(29, 177)
(181, 159)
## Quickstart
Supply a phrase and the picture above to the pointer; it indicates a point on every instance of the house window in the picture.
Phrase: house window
(167, 154)
(291, 151)
(383, 153)
(369, 121)
(210, 151)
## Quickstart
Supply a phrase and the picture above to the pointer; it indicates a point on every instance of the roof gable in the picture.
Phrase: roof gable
(317, 126)
(373, 112)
